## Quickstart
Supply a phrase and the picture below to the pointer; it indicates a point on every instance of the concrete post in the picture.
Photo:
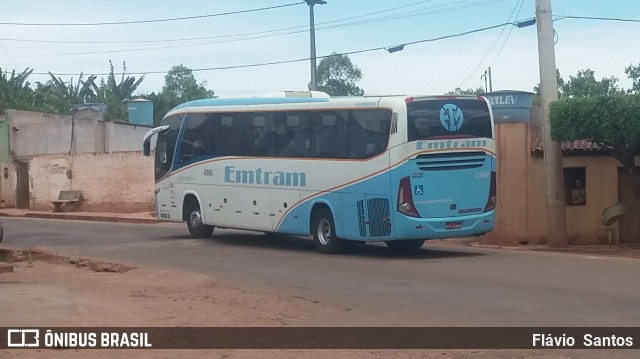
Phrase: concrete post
(556, 214)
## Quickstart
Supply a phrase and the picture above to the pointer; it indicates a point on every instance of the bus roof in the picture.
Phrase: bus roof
(248, 101)
(280, 100)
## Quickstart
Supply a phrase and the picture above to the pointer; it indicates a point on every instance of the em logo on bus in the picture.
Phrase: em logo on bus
(451, 117)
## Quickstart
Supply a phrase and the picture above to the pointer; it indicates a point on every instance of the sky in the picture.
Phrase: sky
(227, 43)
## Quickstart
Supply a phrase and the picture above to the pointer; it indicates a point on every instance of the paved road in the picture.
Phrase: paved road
(444, 284)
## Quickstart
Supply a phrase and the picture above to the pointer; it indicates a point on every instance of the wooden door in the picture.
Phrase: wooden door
(22, 185)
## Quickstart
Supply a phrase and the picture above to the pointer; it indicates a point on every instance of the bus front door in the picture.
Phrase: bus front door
(166, 205)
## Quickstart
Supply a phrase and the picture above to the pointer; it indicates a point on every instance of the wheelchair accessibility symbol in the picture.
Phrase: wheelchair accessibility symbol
(419, 190)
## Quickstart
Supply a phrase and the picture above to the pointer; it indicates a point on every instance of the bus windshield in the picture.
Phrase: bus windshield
(165, 146)
(448, 118)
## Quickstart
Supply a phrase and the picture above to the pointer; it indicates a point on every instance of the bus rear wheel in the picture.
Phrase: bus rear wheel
(324, 232)
(195, 225)
(405, 246)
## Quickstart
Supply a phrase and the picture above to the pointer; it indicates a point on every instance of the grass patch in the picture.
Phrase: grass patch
(6, 256)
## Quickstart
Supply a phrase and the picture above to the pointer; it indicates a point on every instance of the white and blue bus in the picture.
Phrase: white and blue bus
(395, 169)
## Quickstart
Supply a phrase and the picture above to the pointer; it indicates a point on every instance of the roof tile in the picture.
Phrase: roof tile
(569, 146)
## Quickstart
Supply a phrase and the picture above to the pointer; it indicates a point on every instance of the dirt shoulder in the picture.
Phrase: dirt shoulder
(49, 290)
(63, 291)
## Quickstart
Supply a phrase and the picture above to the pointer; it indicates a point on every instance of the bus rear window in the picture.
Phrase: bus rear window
(448, 118)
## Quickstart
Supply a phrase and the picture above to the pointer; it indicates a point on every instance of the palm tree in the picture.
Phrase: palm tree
(15, 91)
(114, 94)
(62, 96)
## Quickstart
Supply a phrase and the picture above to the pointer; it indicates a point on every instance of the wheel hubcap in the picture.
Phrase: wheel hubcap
(195, 219)
(324, 232)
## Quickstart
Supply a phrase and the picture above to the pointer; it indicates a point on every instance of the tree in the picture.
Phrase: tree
(536, 88)
(337, 76)
(633, 72)
(613, 122)
(180, 86)
(585, 84)
(115, 94)
(60, 96)
(459, 91)
(15, 91)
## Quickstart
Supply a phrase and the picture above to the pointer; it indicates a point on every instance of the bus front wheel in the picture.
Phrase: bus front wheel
(324, 232)
(406, 245)
(194, 221)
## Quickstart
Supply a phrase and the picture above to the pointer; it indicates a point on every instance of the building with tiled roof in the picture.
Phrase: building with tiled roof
(521, 215)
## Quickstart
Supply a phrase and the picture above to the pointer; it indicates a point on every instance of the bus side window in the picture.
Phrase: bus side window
(232, 135)
(368, 132)
(280, 132)
(357, 138)
(298, 134)
(330, 136)
(215, 135)
(263, 135)
(194, 142)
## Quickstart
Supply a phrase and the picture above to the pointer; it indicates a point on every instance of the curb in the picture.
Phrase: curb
(6, 268)
(82, 217)
(615, 251)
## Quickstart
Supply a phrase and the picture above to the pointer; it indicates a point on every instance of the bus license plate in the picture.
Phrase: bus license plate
(453, 225)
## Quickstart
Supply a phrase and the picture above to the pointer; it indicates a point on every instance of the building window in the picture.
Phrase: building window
(575, 186)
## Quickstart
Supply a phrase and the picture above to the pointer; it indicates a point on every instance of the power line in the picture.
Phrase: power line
(153, 20)
(356, 51)
(558, 18)
(494, 42)
(218, 36)
(276, 32)
(8, 56)
(409, 14)
(377, 20)
(563, 17)
(508, 36)
(307, 59)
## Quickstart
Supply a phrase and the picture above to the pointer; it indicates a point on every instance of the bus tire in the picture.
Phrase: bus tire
(406, 245)
(197, 229)
(324, 232)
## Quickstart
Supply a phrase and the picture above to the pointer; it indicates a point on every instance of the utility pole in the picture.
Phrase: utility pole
(484, 77)
(490, 80)
(556, 214)
(487, 77)
(312, 33)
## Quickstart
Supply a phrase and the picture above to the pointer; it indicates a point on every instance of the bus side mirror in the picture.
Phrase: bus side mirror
(146, 141)
(146, 148)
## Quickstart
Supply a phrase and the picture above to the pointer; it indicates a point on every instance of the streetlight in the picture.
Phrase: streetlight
(392, 49)
(400, 47)
(525, 23)
(314, 83)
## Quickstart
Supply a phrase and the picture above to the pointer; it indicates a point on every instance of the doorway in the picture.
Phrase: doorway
(22, 185)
